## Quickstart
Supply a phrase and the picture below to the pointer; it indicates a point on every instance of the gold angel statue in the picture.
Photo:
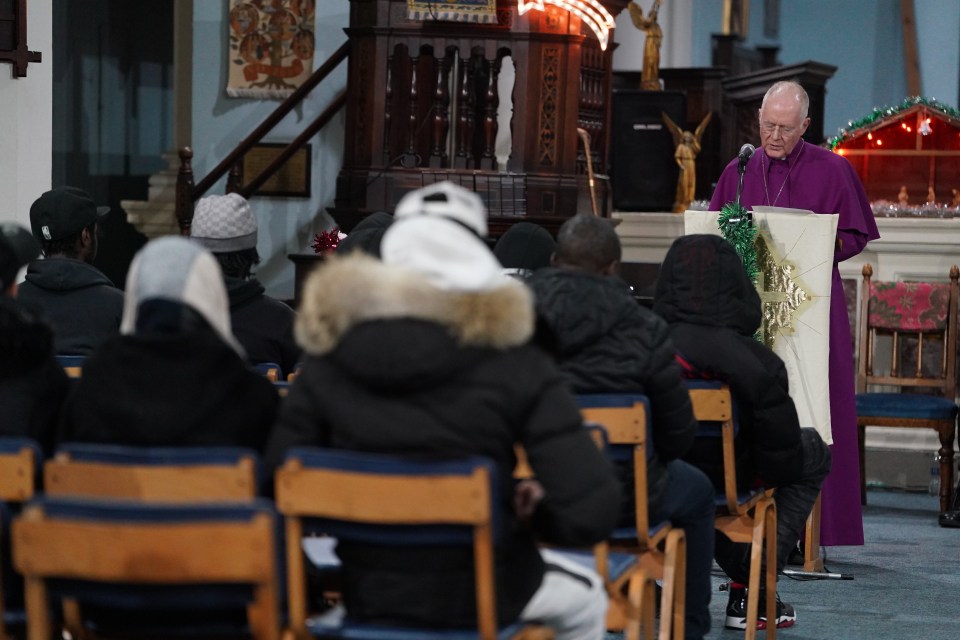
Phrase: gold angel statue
(688, 146)
(650, 72)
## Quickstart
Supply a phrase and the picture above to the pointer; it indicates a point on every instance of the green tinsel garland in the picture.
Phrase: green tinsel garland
(879, 113)
(740, 232)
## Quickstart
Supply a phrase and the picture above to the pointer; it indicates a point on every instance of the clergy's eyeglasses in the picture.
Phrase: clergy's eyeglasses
(769, 127)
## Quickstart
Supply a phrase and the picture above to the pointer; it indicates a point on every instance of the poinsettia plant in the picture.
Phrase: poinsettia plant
(327, 241)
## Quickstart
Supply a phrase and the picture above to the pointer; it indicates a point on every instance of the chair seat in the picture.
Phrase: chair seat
(743, 497)
(618, 563)
(905, 405)
(629, 534)
(351, 630)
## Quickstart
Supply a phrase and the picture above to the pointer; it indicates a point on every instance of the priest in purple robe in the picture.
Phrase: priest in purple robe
(789, 172)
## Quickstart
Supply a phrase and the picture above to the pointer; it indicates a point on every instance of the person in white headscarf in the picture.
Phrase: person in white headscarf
(176, 376)
(425, 352)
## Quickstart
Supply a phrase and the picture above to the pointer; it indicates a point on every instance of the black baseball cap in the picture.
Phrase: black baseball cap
(62, 212)
(17, 248)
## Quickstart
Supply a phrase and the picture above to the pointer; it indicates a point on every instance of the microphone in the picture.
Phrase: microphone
(745, 152)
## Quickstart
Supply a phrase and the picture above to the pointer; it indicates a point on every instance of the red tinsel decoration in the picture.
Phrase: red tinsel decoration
(326, 241)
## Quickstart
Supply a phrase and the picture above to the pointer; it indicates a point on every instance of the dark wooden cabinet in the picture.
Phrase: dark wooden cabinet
(423, 101)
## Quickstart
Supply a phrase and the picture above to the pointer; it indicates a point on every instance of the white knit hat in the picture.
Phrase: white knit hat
(438, 232)
(224, 224)
(174, 268)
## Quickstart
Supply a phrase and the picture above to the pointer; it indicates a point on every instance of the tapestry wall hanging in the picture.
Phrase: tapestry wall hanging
(271, 47)
(479, 11)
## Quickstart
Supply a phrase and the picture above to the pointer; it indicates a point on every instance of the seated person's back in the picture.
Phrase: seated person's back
(713, 311)
(81, 304)
(426, 353)
(604, 342)
(32, 384)
(226, 226)
(176, 375)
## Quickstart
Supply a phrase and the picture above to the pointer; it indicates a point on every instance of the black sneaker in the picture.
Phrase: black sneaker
(737, 610)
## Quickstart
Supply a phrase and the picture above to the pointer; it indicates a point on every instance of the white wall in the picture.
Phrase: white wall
(26, 122)
(286, 225)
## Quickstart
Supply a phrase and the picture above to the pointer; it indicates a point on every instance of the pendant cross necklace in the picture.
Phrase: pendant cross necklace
(789, 169)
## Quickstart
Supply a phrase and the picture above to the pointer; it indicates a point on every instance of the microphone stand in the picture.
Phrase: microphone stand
(741, 169)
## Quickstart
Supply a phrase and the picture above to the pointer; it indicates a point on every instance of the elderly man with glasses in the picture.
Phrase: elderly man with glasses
(790, 172)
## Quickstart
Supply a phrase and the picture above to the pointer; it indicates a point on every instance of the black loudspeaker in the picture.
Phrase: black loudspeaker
(643, 173)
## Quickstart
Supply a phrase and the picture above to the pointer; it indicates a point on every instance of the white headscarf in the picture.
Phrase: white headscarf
(174, 268)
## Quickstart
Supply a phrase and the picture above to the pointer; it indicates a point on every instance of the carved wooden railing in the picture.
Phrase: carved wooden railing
(187, 193)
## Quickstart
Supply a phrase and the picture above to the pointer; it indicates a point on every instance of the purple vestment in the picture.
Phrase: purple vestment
(821, 181)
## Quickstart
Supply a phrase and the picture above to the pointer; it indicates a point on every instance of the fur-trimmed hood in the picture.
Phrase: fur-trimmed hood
(355, 289)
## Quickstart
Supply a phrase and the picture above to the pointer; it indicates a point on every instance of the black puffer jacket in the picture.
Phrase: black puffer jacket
(704, 294)
(156, 390)
(80, 303)
(32, 385)
(605, 342)
(395, 365)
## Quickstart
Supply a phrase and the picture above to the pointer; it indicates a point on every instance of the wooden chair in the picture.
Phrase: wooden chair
(153, 474)
(19, 463)
(72, 365)
(104, 552)
(270, 370)
(897, 318)
(379, 497)
(660, 549)
(742, 517)
(630, 588)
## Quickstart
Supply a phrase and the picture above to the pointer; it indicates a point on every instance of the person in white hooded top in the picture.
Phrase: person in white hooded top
(176, 376)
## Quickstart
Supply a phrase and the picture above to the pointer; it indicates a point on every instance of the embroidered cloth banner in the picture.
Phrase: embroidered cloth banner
(909, 306)
(271, 47)
(795, 255)
(479, 11)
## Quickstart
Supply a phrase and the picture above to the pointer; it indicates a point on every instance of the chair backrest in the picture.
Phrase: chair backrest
(625, 421)
(898, 320)
(153, 474)
(19, 464)
(385, 499)
(119, 551)
(72, 365)
(713, 408)
(270, 370)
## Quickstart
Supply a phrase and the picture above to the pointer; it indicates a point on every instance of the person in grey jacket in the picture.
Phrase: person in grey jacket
(79, 302)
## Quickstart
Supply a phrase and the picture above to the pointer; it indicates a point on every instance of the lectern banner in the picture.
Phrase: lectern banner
(795, 256)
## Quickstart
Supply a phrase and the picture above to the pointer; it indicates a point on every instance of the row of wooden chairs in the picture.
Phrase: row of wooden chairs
(164, 520)
(316, 489)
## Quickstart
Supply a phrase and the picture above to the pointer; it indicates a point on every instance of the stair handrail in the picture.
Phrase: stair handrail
(188, 193)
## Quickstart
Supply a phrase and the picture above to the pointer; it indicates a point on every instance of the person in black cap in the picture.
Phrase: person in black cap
(32, 384)
(79, 301)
